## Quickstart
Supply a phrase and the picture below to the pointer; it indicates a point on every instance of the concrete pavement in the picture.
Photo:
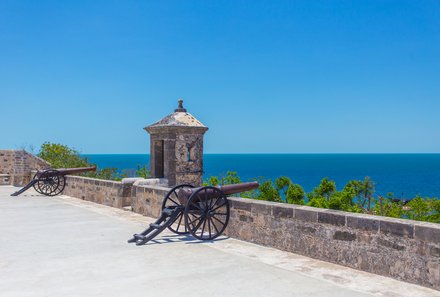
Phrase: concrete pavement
(63, 246)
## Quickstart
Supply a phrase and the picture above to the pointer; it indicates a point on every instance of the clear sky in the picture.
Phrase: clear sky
(264, 76)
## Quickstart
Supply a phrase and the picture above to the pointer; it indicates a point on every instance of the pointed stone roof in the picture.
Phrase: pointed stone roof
(179, 118)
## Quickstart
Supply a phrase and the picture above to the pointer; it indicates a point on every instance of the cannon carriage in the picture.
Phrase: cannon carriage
(51, 182)
(202, 212)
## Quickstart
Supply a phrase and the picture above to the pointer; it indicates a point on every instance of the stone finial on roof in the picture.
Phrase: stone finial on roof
(180, 107)
(179, 118)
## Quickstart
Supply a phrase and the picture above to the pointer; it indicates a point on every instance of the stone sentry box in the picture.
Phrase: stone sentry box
(176, 148)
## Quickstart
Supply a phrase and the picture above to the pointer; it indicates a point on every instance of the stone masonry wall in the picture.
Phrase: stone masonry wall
(110, 193)
(7, 160)
(402, 249)
(19, 164)
(147, 200)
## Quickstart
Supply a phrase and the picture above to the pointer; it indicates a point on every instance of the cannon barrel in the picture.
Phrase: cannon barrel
(184, 193)
(66, 171)
(238, 188)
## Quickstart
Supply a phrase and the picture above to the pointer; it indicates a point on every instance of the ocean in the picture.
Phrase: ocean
(406, 175)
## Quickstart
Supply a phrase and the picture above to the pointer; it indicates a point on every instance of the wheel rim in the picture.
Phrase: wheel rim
(35, 186)
(49, 182)
(61, 186)
(171, 201)
(207, 213)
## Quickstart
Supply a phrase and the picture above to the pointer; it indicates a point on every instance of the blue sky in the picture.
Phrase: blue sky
(264, 76)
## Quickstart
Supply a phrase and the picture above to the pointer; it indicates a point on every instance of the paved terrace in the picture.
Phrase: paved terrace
(63, 246)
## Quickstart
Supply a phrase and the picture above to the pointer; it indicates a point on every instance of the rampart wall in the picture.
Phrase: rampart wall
(16, 166)
(402, 249)
(110, 193)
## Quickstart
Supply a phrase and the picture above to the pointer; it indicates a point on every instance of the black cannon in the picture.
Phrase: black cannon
(51, 182)
(202, 212)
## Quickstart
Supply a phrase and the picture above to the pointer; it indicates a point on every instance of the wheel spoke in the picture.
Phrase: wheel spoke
(193, 221)
(193, 204)
(173, 201)
(216, 200)
(203, 228)
(180, 220)
(224, 203)
(209, 228)
(219, 221)
(198, 224)
(215, 227)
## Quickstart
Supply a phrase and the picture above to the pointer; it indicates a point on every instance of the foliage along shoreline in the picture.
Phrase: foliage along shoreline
(356, 196)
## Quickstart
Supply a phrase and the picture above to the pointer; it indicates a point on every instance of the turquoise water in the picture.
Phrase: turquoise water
(406, 175)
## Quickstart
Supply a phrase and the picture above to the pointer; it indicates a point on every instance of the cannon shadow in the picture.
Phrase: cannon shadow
(187, 239)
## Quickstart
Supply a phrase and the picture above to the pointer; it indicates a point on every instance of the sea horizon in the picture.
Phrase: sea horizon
(404, 174)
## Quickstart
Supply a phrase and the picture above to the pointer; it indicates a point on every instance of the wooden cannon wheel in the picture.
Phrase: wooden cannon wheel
(171, 201)
(207, 213)
(50, 182)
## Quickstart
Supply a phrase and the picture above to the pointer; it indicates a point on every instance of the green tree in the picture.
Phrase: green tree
(268, 192)
(343, 200)
(326, 188)
(322, 192)
(434, 208)
(295, 194)
(230, 178)
(282, 184)
(143, 171)
(367, 190)
(61, 156)
(417, 209)
(355, 186)
(318, 201)
(388, 207)
(212, 181)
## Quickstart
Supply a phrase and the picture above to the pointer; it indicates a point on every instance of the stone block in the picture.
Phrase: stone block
(306, 229)
(344, 236)
(362, 223)
(427, 233)
(279, 211)
(306, 215)
(390, 244)
(241, 205)
(397, 228)
(332, 218)
(261, 208)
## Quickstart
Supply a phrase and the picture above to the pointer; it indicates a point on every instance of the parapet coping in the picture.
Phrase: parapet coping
(153, 187)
